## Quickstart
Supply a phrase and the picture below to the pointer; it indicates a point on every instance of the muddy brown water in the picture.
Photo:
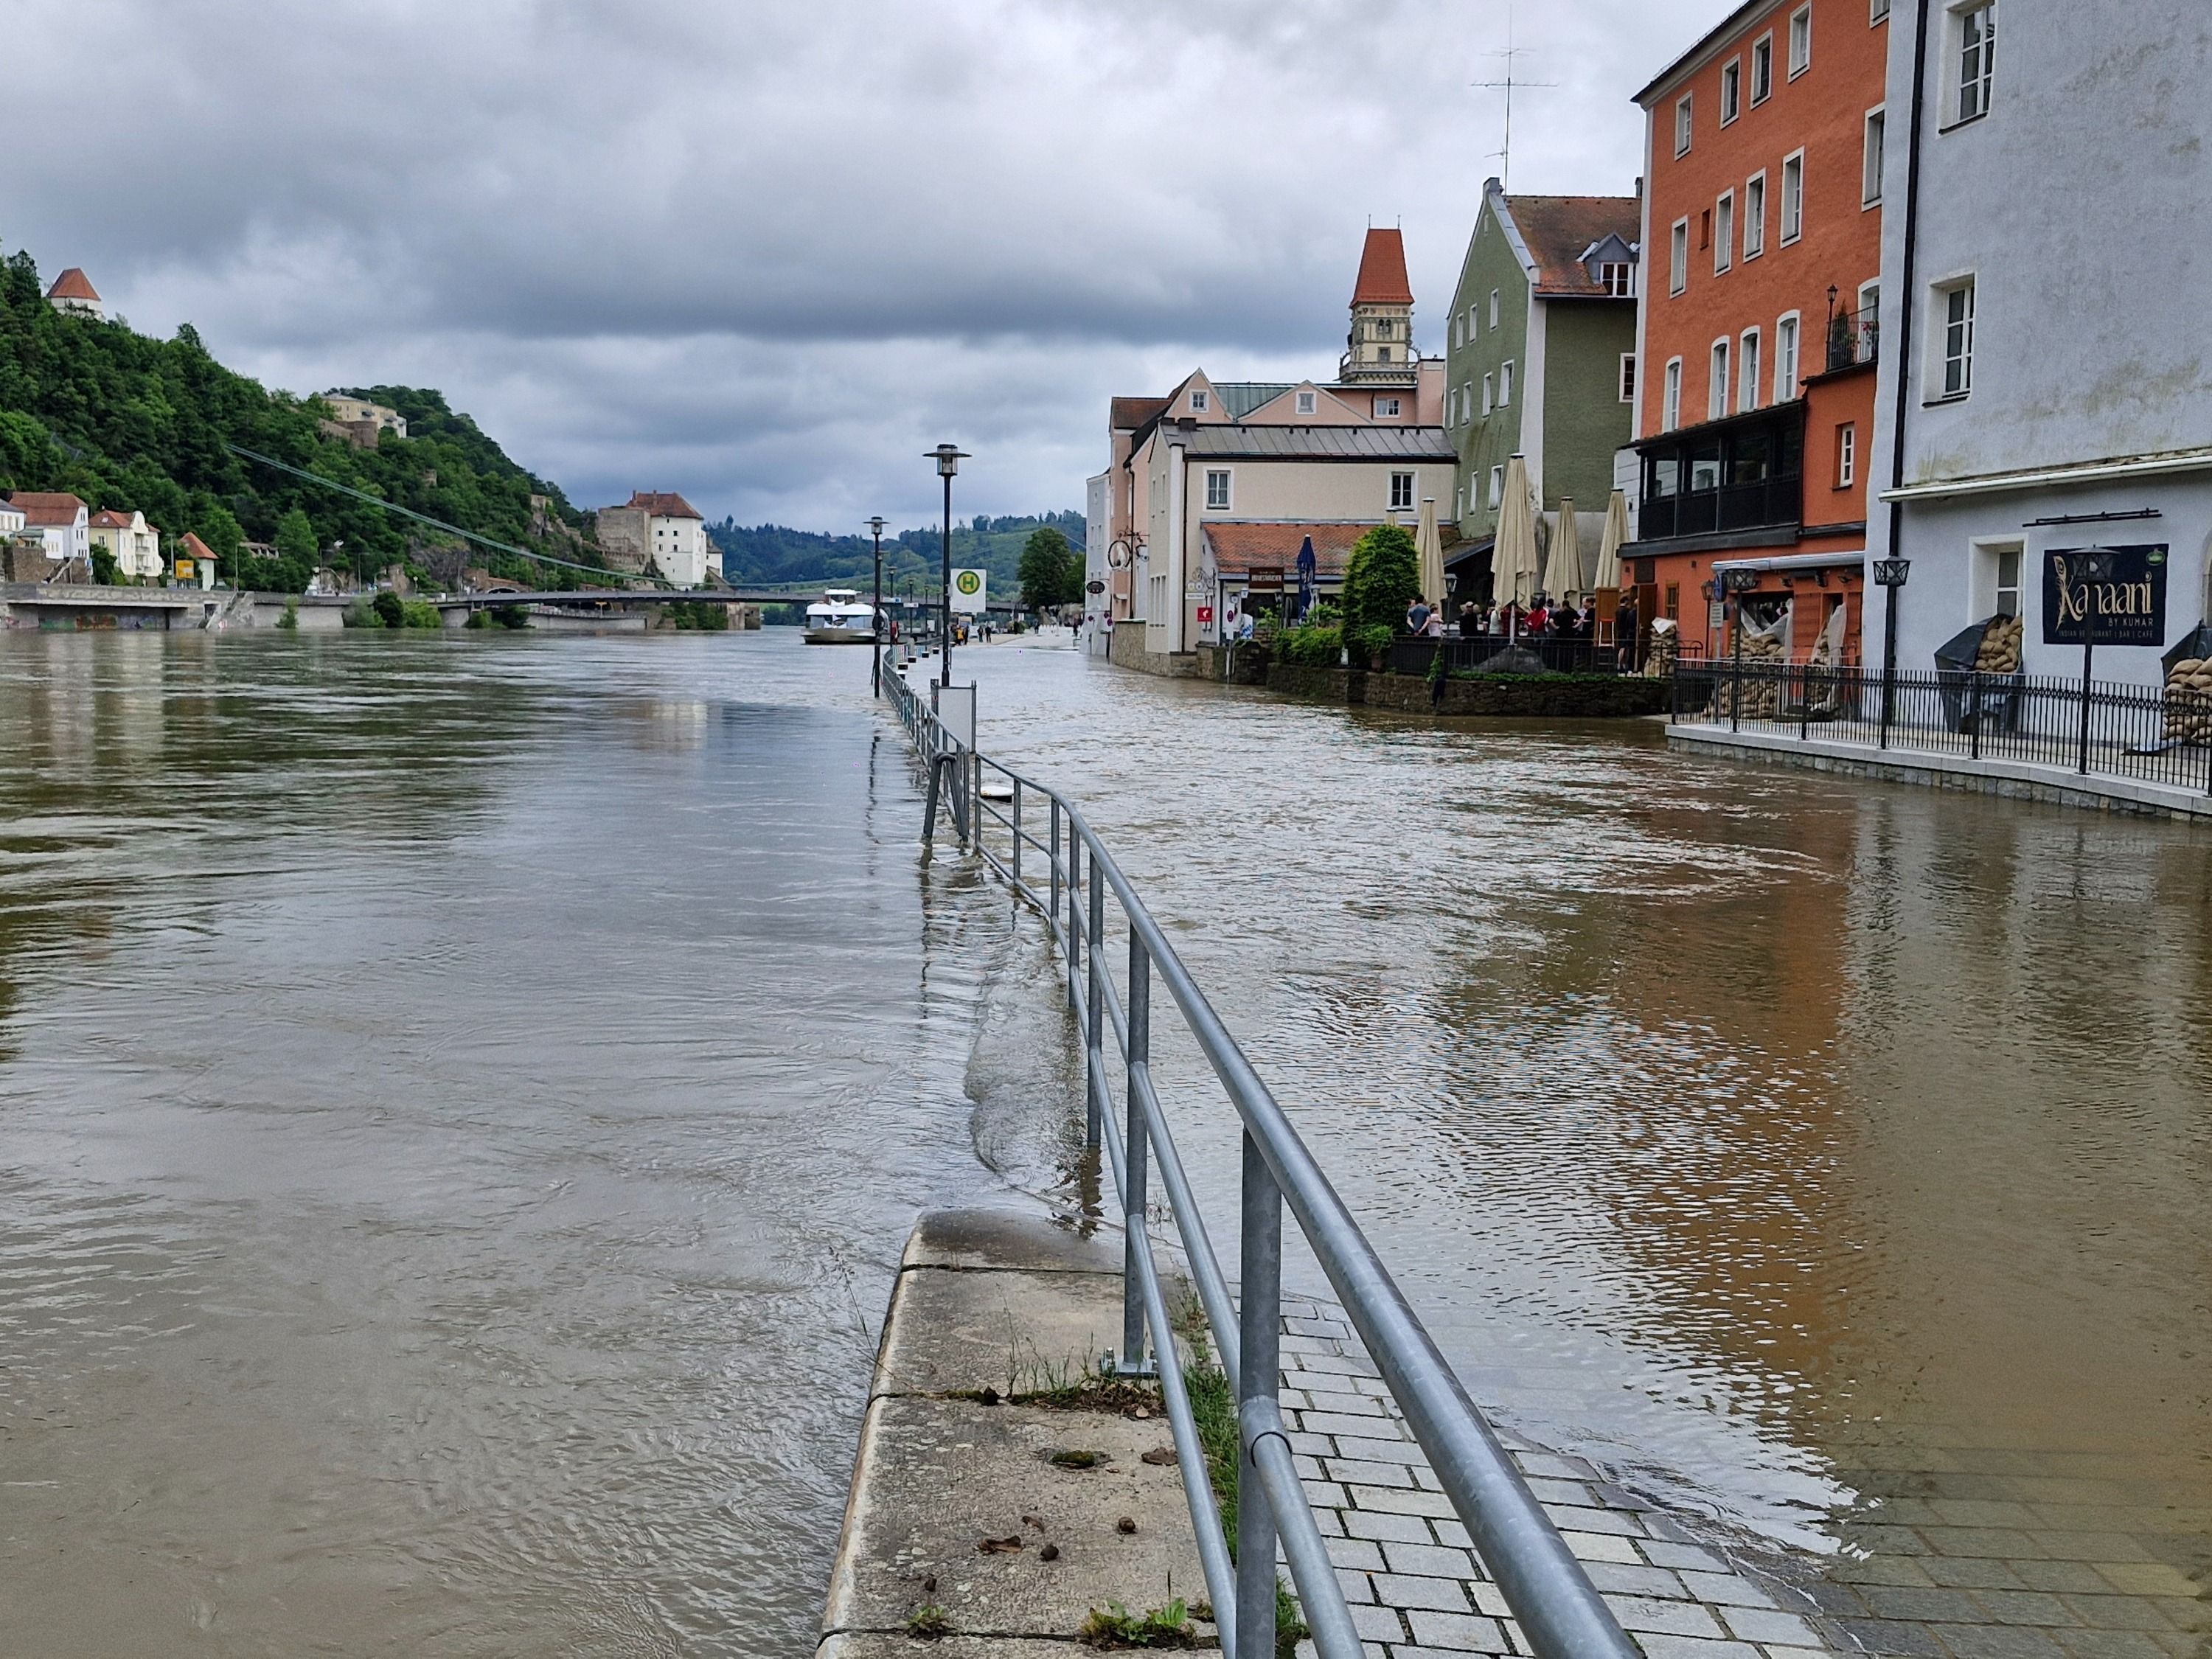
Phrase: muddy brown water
(461, 1099)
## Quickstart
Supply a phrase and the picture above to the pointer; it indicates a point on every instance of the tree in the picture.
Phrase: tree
(295, 538)
(1051, 572)
(219, 528)
(1381, 579)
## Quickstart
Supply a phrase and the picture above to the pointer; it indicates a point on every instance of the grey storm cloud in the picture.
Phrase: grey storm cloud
(766, 253)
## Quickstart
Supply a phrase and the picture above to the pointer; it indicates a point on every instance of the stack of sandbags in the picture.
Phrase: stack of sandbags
(2189, 700)
(2000, 648)
(1660, 657)
(1753, 698)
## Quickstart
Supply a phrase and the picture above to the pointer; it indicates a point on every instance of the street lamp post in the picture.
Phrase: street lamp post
(2095, 566)
(1889, 575)
(948, 458)
(876, 622)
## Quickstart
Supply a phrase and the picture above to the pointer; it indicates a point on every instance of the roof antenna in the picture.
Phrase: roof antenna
(1511, 52)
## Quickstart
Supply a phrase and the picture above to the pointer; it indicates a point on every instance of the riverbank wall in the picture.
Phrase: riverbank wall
(1554, 696)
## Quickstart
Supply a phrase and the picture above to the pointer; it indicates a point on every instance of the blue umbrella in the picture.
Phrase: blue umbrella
(1306, 563)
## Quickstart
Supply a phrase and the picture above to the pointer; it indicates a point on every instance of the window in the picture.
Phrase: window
(1305, 403)
(1705, 229)
(1474, 322)
(1217, 489)
(1493, 307)
(1793, 197)
(1489, 393)
(1746, 396)
(1678, 258)
(1617, 280)
(1717, 384)
(1977, 46)
(1467, 402)
(1682, 124)
(1870, 160)
(1724, 233)
(1847, 455)
(1386, 408)
(1670, 404)
(2008, 575)
(1755, 215)
(1957, 301)
(1731, 90)
(1801, 41)
(1505, 385)
(1762, 70)
(1382, 353)
(1198, 403)
(1628, 377)
(1497, 486)
(1401, 492)
(1877, 12)
(1785, 358)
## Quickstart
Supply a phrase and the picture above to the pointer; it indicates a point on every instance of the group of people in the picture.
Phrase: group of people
(1544, 619)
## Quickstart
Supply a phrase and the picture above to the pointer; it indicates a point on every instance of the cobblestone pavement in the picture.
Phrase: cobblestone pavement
(1984, 1574)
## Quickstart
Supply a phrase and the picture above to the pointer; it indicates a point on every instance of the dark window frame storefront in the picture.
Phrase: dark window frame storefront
(1725, 477)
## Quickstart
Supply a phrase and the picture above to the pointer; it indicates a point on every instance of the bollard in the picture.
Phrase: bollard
(1259, 1343)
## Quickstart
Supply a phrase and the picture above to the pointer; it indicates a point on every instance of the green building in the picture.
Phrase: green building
(1541, 357)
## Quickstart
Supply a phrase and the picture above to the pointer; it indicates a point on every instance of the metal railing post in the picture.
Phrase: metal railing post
(1052, 858)
(1074, 916)
(1805, 702)
(1974, 703)
(1017, 816)
(1259, 1344)
(1094, 1023)
(1134, 1159)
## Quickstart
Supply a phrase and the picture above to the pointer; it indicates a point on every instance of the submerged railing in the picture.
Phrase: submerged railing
(1543, 1583)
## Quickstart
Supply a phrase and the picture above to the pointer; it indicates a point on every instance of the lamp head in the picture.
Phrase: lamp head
(948, 458)
(876, 524)
(1892, 573)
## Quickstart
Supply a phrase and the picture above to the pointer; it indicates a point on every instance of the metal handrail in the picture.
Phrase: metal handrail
(1559, 1610)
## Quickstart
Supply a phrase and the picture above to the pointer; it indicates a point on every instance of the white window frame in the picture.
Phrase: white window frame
(1622, 272)
(1877, 12)
(1505, 383)
(1720, 367)
(2019, 588)
(1678, 257)
(1403, 486)
(1218, 501)
(1800, 39)
(1198, 403)
(1748, 364)
(1474, 321)
(1874, 136)
(1755, 215)
(1627, 373)
(1670, 395)
(1389, 414)
(1951, 340)
(1762, 57)
(1308, 403)
(1489, 392)
(1789, 354)
(1466, 402)
(1731, 90)
(1793, 201)
(1973, 43)
(1497, 486)
(1724, 232)
(1685, 123)
(1493, 307)
(1847, 453)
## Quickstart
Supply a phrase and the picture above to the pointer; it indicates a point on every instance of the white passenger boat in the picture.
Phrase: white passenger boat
(840, 617)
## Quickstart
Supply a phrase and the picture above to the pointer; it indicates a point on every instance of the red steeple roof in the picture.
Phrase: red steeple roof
(1383, 271)
(73, 284)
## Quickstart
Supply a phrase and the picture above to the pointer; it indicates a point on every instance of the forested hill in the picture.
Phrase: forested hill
(774, 553)
(131, 422)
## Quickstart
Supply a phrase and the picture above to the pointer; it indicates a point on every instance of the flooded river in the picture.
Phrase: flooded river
(461, 1099)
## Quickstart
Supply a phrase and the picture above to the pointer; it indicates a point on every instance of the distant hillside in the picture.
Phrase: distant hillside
(128, 422)
(771, 553)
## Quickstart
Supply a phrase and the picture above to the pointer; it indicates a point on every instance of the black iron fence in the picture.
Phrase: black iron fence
(1548, 654)
(2105, 728)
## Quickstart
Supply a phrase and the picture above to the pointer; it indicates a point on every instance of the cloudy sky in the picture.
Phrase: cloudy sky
(766, 253)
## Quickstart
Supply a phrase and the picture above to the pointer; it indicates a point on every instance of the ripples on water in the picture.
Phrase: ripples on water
(461, 1101)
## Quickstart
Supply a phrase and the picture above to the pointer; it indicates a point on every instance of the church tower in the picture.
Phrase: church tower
(1379, 351)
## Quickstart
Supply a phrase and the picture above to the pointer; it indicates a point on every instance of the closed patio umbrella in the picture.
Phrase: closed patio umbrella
(1430, 545)
(1563, 571)
(1609, 548)
(1513, 560)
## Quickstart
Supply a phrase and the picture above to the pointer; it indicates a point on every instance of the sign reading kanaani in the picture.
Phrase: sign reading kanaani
(968, 590)
(2105, 595)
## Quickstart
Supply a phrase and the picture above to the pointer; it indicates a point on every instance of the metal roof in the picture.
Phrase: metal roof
(1322, 443)
(1241, 398)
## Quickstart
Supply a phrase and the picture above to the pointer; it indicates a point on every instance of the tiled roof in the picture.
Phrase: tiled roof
(107, 519)
(664, 504)
(1383, 271)
(73, 284)
(1238, 546)
(42, 508)
(1128, 412)
(194, 548)
(1559, 230)
(1323, 443)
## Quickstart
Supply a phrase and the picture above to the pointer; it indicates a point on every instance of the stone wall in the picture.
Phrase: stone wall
(1552, 696)
(1126, 649)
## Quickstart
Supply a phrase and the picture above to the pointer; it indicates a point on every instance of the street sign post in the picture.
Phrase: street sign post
(968, 591)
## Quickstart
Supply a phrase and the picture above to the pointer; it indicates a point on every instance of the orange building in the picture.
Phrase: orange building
(1756, 336)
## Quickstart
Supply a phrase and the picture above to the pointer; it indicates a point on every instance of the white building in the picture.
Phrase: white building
(2045, 277)
(350, 410)
(675, 536)
(63, 523)
(1098, 534)
(74, 295)
(135, 546)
